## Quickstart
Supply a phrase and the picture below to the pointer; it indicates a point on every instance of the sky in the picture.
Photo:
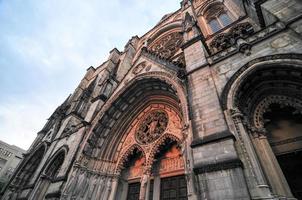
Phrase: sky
(47, 45)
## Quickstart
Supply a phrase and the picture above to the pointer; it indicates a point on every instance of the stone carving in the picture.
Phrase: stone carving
(263, 106)
(225, 40)
(126, 155)
(139, 68)
(152, 126)
(69, 129)
(168, 45)
(172, 162)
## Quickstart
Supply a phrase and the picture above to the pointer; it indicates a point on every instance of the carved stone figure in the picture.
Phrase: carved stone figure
(153, 125)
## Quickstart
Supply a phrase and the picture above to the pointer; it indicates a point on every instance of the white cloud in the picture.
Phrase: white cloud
(21, 120)
(54, 42)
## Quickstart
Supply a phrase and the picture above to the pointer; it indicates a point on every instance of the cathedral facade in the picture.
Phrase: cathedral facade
(206, 105)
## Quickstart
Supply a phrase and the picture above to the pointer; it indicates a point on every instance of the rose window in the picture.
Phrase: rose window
(151, 127)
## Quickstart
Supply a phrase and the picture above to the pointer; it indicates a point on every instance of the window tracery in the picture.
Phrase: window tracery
(217, 17)
(168, 45)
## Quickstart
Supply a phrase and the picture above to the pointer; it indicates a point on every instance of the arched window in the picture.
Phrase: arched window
(225, 19)
(217, 17)
(49, 175)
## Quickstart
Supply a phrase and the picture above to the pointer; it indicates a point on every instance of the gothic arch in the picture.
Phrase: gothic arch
(50, 173)
(263, 107)
(26, 170)
(171, 27)
(261, 97)
(208, 6)
(60, 153)
(156, 147)
(125, 155)
(231, 89)
(114, 109)
(159, 34)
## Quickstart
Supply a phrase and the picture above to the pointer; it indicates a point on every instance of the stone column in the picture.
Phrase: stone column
(148, 190)
(270, 164)
(114, 186)
(261, 188)
(156, 188)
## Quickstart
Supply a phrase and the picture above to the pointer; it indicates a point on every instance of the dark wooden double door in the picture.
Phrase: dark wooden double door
(171, 188)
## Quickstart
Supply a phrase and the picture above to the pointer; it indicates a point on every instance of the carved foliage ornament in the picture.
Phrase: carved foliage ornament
(168, 45)
(151, 127)
(225, 40)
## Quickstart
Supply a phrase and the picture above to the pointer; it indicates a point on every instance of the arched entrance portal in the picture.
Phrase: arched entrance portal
(152, 165)
(266, 103)
(135, 122)
(284, 134)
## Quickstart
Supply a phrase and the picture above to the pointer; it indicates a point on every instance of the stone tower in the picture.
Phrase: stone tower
(206, 105)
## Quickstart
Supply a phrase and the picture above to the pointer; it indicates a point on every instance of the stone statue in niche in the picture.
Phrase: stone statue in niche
(107, 189)
(152, 126)
(101, 186)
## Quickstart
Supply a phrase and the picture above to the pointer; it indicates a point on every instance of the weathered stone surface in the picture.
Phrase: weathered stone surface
(220, 91)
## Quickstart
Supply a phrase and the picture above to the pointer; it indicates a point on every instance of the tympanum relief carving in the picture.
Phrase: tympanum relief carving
(152, 127)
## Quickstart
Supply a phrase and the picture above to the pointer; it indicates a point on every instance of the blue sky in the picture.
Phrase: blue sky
(47, 45)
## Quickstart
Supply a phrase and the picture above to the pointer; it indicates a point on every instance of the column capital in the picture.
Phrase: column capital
(258, 132)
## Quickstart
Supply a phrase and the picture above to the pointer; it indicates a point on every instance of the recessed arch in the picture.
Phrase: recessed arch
(50, 173)
(279, 61)
(125, 155)
(28, 169)
(157, 87)
(267, 93)
(162, 140)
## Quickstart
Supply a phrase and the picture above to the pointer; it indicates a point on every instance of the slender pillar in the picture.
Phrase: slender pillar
(114, 185)
(270, 164)
(156, 188)
(261, 187)
(148, 190)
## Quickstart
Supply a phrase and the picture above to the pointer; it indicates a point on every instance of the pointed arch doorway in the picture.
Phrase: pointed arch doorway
(152, 165)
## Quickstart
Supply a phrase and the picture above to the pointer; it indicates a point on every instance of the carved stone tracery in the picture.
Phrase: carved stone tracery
(152, 126)
(225, 40)
(168, 45)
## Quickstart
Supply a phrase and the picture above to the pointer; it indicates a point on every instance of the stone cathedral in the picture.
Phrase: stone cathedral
(207, 105)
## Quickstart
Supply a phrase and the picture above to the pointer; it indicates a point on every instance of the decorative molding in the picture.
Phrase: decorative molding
(236, 76)
(263, 106)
